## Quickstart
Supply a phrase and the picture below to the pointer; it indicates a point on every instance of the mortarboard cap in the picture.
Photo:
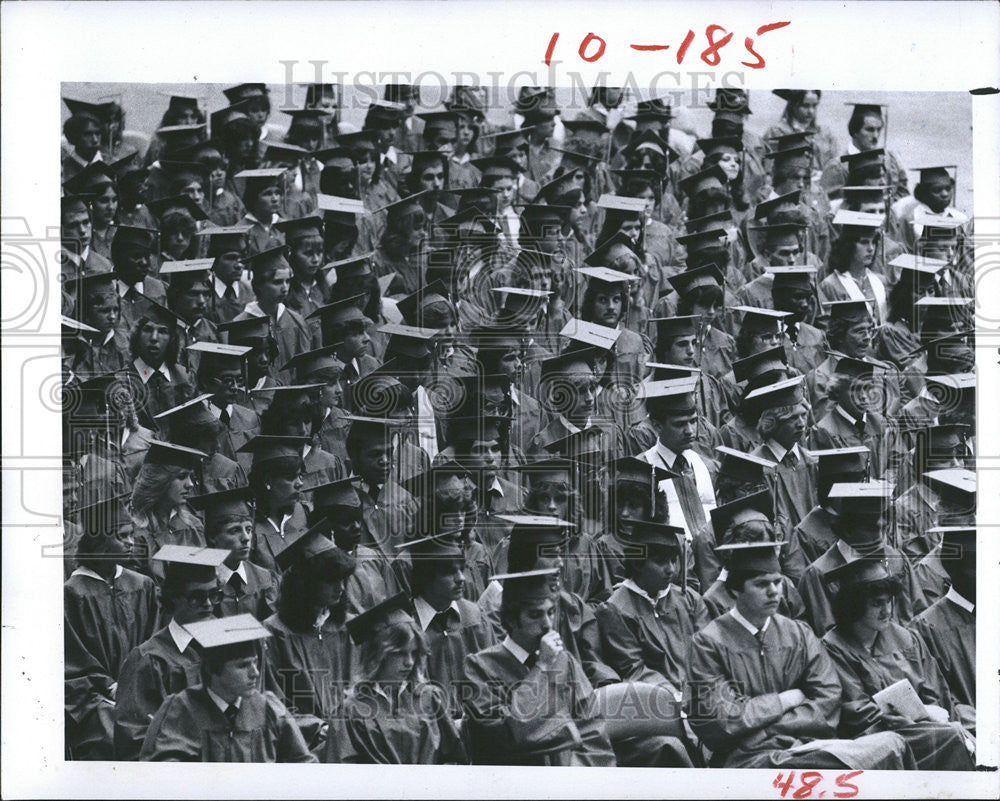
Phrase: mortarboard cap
(308, 545)
(226, 638)
(758, 506)
(789, 277)
(189, 413)
(99, 110)
(930, 173)
(590, 334)
(165, 453)
(862, 498)
(693, 183)
(781, 393)
(442, 546)
(235, 502)
(672, 396)
(252, 328)
(710, 144)
(300, 227)
(365, 626)
(620, 203)
(186, 266)
(855, 310)
(411, 306)
(682, 326)
(216, 355)
(700, 240)
(267, 447)
(955, 485)
(191, 563)
(858, 219)
(342, 492)
(600, 256)
(766, 208)
(649, 533)
(744, 467)
(751, 557)
(630, 468)
(856, 368)
(697, 225)
(918, 264)
(136, 236)
(353, 266)
(864, 570)
(760, 319)
(314, 361)
(866, 158)
(245, 91)
(340, 205)
(585, 123)
(274, 258)
(689, 280)
(653, 108)
(733, 100)
(529, 585)
(841, 461)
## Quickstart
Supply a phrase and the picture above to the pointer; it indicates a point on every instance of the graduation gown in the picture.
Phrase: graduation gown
(719, 600)
(320, 468)
(226, 309)
(896, 654)
(268, 543)
(505, 727)
(875, 433)
(388, 521)
(814, 593)
(157, 394)
(153, 670)
(449, 641)
(368, 584)
(183, 528)
(189, 727)
(107, 356)
(793, 486)
(312, 671)
(649, 642)
(291, 332)
(220, 473)
(732, 701)
(931, 575)
(258, 596)
(809, 540)
(244, 424)
(916, 512)
(102, 622)
(411, 728)
(949, 632)
(135, 303)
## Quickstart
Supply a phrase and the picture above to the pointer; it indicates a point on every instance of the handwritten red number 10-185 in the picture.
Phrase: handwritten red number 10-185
(809, 779)
(592, 46)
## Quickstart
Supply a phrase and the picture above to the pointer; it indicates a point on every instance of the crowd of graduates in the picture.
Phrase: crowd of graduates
(574, 441)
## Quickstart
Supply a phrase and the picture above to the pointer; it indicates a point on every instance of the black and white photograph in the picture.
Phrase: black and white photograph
(431, 420)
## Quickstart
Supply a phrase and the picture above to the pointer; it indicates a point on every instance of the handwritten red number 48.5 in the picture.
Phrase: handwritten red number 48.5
(810, 778)
(593, 47)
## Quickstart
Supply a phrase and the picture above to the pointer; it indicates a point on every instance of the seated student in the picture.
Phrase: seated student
(741, 521)
(782, 426)
(932, 199)
(159, 382)
(452, 626)
(700, 294)
(193, 424)
(165, 663)
(343, 325)
(255, 333)
(750, 374)
(245, 587)
(759, 331)
(230, 295)
(761, 688)
(855, 418)
(859, 529)
(107, 611)
(871, 653)
(865, 127)
(394, 715)
(270, 281)
(647, 623)
(814, 534)
(948, 626)
(159, 504)
(262, 196)
(188, 298)
(276, 480)
(304, 238)
(329, 421)
(309, 657)
(75, 254)
(225, 718)
(83, 130)
(852, 258)
(132, 254)
(849, 333)
(98, 305)
(531, 701)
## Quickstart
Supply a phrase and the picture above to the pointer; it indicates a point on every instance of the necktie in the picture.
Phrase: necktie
(790, 459)
(759, 636)
(860, 428)
(231, 712)
(531, 661)
(224, 417)
(441, 620)
(682, 466)
(230, 293)
(236, 583)
(373, 490)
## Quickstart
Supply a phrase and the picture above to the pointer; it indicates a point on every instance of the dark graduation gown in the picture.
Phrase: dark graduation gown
(320, 468)
(189, 727)
(268, 543)
(100, 357)
(506, 727)
(368, 584)
(414, 728)
(814, 593)
(201, 330)
(291, 332)
(879, 436)
(184, 528)
(225, 309)
(102, 623)
(793, 488)
(388, 521)
(647, 642)
(809, 540)
(244, 424)
(135, 303)
(153, 670)
(719, 600)
(221, 473)
(732, 701)
(312, 671)
(737, 433)
(258, 596)
(950, 634)
(896, 654)
(465, 632)
(157, 394)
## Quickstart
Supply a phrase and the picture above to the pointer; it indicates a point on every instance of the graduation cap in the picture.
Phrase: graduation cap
(689, 280)
(423, 485)
(649, 176)
(528, 586)
(792, 277)
(653, 108)
(580, 444)
(434, 120)
(606, 275)
(231, 503)
(790, 155)
(225, 239)
(71, 326)
(759, 319)
(866, 158)
(863, 571)
(931, 345)
(223, 639)
(862, 498)
(922, 265)
(164, 205)
(412, 305)
(170, 455)
(672, 396)
(103, 518)
(630, 468)
(187, 267)
(650, 140)
(848, 310)
(327, 155)
(190, 563)
(319, 360)
(863, 194)
(505, 141)
(751, 557)
(470, 214)
(190, 413)
(256, 181)
(781, 393)
(620, 203)
(796, 139)
(443, 546)
(857, 368)
(300, 227)
(342, 205)
(547, 466)
(218, 120)
(99, 110)
(268, 448)
(591, 334)
(219, 355)
(91, 179)
(858, 219)
(474, 428)
(136, 236)
(766, 361)
(250, 330)
(842, 461)
(398, 207)
(757, 506)
(779, 229)
(928, 174)
(693, 183)
(342, 492)
(409, 340)
(537, 529)
(600, 256)
(955, 485)
(497, 163)
(766, 208)
(696, 225)
(245, 91)
(535, 102)
(585, 123)
(366, 625)
(706, 146)
(308, 545)
(663, 371)
(649, 533)
(743, 467)
(308, 117)
(677, 326)
(733, 100)
(702, 240)
(936, 227)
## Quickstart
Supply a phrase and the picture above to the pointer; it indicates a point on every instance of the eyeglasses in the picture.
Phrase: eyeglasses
(205, 597)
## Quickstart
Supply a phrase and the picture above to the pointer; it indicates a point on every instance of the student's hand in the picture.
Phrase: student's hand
(936, 713)
(549, 648)
(790, 699)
